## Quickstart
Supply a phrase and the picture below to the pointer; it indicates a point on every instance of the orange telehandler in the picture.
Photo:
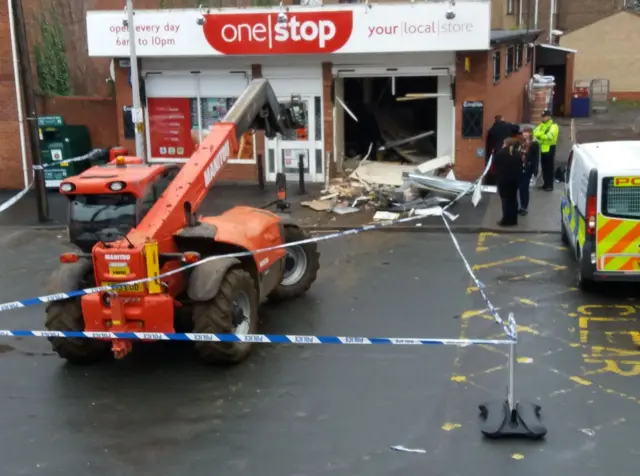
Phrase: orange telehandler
(132, 221)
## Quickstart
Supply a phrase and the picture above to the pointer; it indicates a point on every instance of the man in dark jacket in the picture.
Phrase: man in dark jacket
(508, 166)
(499, 131)
(530, 160)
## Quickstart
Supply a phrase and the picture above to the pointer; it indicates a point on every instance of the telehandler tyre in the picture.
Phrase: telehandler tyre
(302, 263)
(234, 310)
(67, 316)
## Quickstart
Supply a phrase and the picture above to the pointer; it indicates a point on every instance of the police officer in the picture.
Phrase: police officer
(496, 135)
(546, 133)
(508, 163)
(530, 150)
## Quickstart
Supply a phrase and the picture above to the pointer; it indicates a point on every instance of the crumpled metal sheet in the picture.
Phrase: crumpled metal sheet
(443, 185)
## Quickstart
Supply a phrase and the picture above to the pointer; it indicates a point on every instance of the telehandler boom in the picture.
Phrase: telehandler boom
(132, 221)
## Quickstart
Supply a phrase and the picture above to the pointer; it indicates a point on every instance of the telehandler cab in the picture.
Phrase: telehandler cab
(132, 221)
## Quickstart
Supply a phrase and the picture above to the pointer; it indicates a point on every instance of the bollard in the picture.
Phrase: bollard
(301, 189)
(260, 172)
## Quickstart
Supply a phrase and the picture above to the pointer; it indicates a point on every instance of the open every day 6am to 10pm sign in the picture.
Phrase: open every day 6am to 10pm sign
(375, 28)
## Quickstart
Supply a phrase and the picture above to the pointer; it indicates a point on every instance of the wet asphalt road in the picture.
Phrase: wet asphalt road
(336, 410)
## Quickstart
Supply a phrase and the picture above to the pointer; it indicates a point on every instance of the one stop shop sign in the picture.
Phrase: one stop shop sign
(376, 28)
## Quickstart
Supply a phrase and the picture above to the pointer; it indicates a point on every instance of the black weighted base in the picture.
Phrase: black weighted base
(499, 421)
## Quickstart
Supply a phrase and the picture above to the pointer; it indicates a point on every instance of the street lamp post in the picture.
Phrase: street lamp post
(136, 112)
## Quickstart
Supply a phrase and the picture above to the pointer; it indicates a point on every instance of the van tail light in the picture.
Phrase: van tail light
(591, 215)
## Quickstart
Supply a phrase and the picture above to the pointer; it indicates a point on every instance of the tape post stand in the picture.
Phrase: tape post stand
(435, 211)
(255, 338)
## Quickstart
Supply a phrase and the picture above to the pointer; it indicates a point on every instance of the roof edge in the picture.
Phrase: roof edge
(501, 37)
(556, 47)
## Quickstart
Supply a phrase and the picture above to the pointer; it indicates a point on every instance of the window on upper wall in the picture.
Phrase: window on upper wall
(519, 53)
(511, 10)
(509, 62)
(555, 6)
(529, 54)
(496, 67)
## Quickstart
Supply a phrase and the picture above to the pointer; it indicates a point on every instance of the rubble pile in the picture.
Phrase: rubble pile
(391, 190)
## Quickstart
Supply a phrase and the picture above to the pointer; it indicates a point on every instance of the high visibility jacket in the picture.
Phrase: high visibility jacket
(546, 133)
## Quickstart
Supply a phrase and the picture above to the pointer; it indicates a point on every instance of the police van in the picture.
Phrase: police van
(601, 211)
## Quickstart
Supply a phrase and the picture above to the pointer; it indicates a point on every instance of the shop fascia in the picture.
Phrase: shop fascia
(340, 29)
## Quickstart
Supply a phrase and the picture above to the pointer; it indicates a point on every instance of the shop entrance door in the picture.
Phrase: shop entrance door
(284, 152)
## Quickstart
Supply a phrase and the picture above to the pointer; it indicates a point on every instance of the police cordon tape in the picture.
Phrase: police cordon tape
(18, 196)
(62, 163)
(509, 328)
(256, 338)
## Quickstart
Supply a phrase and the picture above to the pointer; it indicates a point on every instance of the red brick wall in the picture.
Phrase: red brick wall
(95, 113)
(506, 97)
(98, 114)
(10, 161)
(470, 86)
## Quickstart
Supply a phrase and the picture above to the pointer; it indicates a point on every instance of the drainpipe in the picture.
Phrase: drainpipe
(16, 75)
(552, 4)
(535, 14)
(520, 15)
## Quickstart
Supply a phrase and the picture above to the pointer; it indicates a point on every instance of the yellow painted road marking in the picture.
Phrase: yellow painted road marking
(627, 310)
(613, 366)
(451, 426)
(517, 456)
(458, 378)
(580, 381)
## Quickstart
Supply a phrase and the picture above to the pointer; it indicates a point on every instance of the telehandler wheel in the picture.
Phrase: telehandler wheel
(302, 263)
(234, 310)
(67, 316)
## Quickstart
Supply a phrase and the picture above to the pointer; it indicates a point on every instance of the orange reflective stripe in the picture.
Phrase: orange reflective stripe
(622, 244)
(630, 265)
(607, 228)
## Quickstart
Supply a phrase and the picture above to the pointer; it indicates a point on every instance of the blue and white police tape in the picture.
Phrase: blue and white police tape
(15, 199)
(256, 338)
(18, 196)
(63, 163)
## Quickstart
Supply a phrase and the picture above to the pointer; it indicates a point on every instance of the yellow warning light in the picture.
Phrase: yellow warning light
(120, 160)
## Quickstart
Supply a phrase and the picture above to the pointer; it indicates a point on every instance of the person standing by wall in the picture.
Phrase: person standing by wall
(530, 160)
(496, 135)
(508, 163)
(546, 133)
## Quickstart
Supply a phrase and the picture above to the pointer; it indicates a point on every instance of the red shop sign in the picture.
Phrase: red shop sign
(261, 34)
(170, 128)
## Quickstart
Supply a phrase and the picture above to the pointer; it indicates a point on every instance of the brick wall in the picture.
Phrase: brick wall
(10, 162)
(506, 97)
(605, 52)
(98, 114)
(575, 14)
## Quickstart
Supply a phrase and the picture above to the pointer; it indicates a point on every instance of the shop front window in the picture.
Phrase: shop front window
(211, 111)
(178, 125)
(301, 133)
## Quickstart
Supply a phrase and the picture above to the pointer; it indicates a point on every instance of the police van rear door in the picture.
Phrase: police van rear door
(618, 223)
